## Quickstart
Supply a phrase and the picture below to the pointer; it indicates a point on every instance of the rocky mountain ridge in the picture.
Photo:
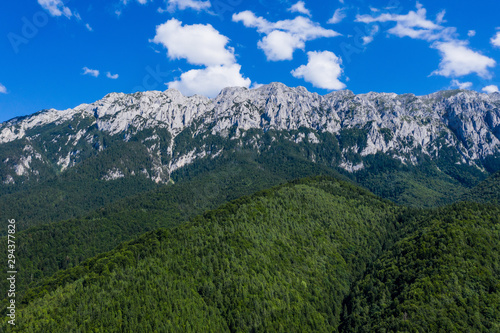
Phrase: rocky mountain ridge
(461, 126)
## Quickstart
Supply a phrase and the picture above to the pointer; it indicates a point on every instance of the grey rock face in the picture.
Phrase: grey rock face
(401, 126)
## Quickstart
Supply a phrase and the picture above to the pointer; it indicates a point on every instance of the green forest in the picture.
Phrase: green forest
(318, 254)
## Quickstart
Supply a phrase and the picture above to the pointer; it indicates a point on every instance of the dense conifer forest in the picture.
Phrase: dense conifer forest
(313, 255)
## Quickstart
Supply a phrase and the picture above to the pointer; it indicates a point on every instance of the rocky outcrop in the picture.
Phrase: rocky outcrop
(399, 125)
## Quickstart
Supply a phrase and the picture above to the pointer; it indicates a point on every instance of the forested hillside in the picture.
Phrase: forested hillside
(313, 255)
(283, 259)
(487, 191)
(47, 248)
(444, 276)
(76, 191)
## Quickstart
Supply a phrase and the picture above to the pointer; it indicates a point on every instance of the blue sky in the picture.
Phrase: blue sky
(59, 54)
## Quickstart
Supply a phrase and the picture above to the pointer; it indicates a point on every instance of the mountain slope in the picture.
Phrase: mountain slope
(313, 255)
(444, 276)
(80, 189)
(487, 191)
(452, 135)
(282, 259)
(47, 248)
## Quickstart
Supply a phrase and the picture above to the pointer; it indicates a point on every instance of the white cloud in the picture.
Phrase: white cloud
(490, 89)
(111, 76)
(440, 17)
(300, 7)
(283, 37)
(279, 45)
(92, 72)
(495, 40)
(322, 70)
(471, 33)
(55, 7)
(89, 28)
(3, 89)
(197, 5)
(459, 60)
(199, 44)
(338, 16)
(369, 38)
(210, 81)
(460, 85)
(256, 85)
(299, 26)
(414, 25)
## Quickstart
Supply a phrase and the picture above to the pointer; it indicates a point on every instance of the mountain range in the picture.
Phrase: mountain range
(462, 124)
(198, 199)
(402, 147)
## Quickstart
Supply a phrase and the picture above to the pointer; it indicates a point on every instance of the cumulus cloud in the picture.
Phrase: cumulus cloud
(197, 5)
(55, 7)
(91, 72)
(495, 40)
(471, 33)
(323, 70)
(280, 45)
(491, 89)
(338, 16)
(199, 44)
(3, 90)
(111, 76)
(460, 85)
(459, 60)
(210, 81)
(300, 7)
(283, 37)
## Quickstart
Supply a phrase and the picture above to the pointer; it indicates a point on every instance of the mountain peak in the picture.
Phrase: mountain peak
(274, 88)
(230, 91)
